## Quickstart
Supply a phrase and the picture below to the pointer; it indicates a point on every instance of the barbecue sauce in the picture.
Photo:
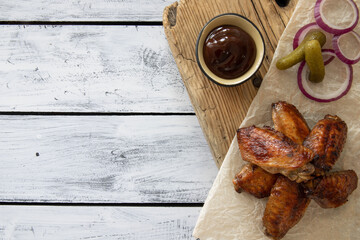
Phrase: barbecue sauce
(229, 51)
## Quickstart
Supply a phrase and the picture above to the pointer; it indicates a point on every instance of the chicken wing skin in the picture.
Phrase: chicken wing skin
(333, 189)
(275, 153)
(327, 140)
(286, 206)
(254, 180)
(288, 120)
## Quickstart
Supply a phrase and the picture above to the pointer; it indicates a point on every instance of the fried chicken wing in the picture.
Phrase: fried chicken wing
(327, 140)
(275, 153)
(286, 206)
(288, 120)
(333, 189)
(254, 180)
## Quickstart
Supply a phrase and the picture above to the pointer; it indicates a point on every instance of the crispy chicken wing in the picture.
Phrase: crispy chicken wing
(333, 189)
(275, 153)
(327, 140)
(286, 206)
(288, 120)
(254, 180)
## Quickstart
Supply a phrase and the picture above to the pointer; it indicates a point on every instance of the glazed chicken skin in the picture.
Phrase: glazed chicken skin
(333, 189)
(286, 206)
(326, 140)
(303, 157)
(288, 120)
(254, 180)
(275, 153)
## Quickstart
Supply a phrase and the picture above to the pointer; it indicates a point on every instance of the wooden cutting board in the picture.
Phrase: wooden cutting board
(220, 110)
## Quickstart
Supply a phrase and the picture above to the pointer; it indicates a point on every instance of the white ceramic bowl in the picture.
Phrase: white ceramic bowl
(246, 25)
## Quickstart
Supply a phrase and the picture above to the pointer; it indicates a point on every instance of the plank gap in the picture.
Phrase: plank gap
(91, 23)
(70, 204)
(97, 113)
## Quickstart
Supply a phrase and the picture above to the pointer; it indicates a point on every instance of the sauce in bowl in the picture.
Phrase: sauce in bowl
(229, 51)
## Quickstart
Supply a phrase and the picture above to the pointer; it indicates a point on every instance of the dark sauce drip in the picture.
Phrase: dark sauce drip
(229, 51)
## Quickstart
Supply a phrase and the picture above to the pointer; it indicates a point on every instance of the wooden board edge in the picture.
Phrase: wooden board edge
(169, 23)
(170, 28)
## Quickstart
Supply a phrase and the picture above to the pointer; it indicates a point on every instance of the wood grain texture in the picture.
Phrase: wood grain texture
(83, 10)
(130, 223)
(104, 159)
(220, 109)
(88, 69)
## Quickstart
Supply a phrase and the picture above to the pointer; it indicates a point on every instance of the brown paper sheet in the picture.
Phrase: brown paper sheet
(229, 215)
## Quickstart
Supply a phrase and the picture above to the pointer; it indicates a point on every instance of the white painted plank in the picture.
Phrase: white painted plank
(130, 223)
(106, 159)
(83, 10)
(88, 69)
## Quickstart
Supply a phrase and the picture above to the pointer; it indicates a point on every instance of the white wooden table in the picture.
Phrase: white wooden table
(98, 139)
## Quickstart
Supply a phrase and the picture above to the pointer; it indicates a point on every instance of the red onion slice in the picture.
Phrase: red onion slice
(305, 85)
(308, 28)
(300, 35)
(327, 57)
(328, 60)
(340, 54)
(329, 27)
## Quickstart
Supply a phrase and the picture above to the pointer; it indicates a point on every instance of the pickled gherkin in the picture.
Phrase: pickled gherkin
(314, 60)
(298, 54)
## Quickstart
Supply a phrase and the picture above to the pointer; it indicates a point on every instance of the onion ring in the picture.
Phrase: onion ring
(309, 93)
(301, 34)
(338, 51)
(327, 26)
(330, 56)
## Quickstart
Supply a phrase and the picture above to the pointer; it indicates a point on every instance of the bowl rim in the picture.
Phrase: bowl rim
(197, 52)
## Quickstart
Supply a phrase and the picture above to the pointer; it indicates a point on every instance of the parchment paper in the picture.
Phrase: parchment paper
(229, 215)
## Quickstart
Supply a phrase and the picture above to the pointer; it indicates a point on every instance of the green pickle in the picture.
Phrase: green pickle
(314, 60)
(298, 54)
